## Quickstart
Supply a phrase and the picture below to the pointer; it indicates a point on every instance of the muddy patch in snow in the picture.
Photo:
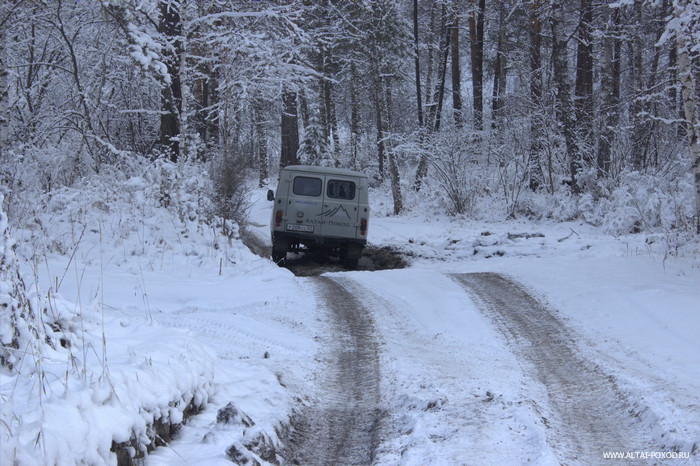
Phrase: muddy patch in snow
(312, 264)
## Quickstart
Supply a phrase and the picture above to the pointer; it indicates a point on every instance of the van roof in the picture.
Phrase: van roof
(324, 170)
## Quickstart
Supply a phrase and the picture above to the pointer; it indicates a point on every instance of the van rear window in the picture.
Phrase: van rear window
(307, 186)
(339, 189)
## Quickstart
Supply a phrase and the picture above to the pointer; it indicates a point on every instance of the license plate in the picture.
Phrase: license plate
(297, 227)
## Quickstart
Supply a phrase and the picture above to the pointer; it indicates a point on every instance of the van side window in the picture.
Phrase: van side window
(306, 186)
(338, 189)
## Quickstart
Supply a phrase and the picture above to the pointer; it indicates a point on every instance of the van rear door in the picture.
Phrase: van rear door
(305, 203)
(340, 207)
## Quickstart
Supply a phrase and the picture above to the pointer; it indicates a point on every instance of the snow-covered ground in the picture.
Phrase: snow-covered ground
(162, 313)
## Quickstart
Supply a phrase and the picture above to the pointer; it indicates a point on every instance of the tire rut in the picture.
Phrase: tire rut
(588, 414)
(343, 426)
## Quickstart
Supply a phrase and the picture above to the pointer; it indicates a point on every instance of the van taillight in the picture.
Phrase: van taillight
(363, 226)
(278, 218)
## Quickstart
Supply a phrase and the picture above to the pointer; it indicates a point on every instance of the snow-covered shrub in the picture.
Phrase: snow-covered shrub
(454, 165)
(16, 315)
(560, 207)
(641, 202)
(230, 193)
(31, 173)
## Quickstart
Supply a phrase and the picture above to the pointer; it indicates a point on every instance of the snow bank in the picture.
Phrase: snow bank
(83, 377)
(102, 380)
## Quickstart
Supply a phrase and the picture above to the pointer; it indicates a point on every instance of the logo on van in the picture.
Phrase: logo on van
(333, 212)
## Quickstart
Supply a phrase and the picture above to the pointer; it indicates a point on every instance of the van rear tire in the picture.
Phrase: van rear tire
(351, 256)
(279, 250)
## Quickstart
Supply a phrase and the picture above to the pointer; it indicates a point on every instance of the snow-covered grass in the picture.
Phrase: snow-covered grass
(147, 311)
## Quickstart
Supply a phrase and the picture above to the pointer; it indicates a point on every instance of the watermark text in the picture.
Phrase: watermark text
(645, 455)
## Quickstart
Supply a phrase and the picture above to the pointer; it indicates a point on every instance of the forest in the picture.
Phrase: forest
(529, 290)
(547, 109)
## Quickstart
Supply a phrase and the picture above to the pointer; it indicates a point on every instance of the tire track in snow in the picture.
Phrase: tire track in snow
(343, 426)
(588, 414)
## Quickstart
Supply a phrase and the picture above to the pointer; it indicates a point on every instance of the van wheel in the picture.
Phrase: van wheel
(352, 256)
(279, 250)
(351, 264)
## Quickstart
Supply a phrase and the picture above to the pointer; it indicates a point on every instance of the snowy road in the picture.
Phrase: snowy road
(410, 366)
(343, 427)
(589, 415)
(381, 360)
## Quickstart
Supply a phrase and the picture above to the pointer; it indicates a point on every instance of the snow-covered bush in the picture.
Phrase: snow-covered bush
(16, 315)
(558, 207)
(455, 167)
(230, 194)
(641, 202)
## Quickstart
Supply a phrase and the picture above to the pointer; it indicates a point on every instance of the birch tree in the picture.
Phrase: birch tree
(684, 27)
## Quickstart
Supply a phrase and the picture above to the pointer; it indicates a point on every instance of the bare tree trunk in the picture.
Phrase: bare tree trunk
(327, 104)
(4, 85)
(303, 110)
(499, 72)
(171, 27)
(290, 129)
(378, 105)
(204, 88)
(382, 91)
(260, 132)
(354, 115)
(688, 97)
(322, 102)
(440, 91)
(584, 78)
(652, 103)
(476, 36)
(608, 103)
(391, 156)
(638, 133)
(417, 63)
(564, 107)
(676, 106)
(332, 121)
(431, 60)
(534, 168)
(456, 75)
(435, 108)
(617, 56)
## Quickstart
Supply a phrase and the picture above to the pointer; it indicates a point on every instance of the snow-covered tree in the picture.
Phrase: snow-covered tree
(313, 149)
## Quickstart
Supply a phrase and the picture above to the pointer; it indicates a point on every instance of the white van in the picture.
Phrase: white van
(320, 208)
